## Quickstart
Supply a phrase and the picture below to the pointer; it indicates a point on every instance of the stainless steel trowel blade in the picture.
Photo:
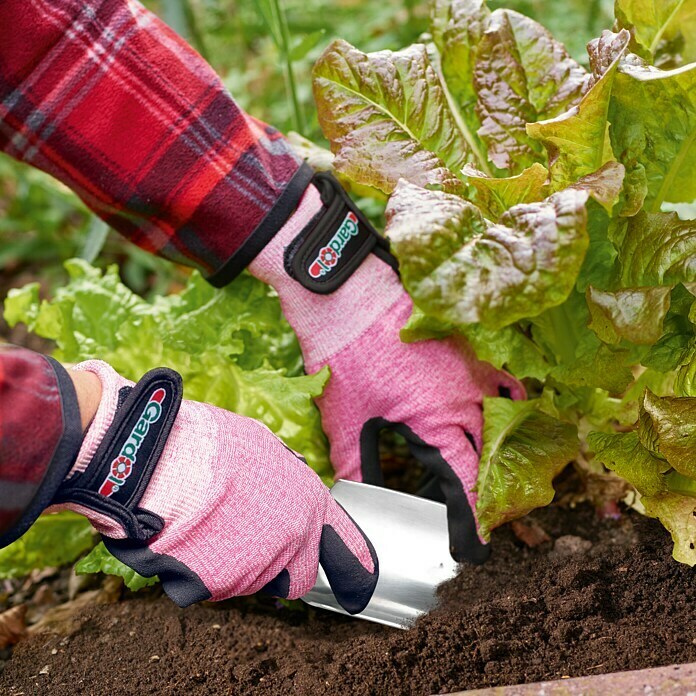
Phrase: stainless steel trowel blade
(412, 544)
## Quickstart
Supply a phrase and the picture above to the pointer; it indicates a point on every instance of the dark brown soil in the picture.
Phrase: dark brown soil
(565, 608)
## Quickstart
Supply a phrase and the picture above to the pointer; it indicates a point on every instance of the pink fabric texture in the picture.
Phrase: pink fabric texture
(239, 507)
(435, 388)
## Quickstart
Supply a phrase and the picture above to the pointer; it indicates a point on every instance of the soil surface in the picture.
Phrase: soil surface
(599, 596)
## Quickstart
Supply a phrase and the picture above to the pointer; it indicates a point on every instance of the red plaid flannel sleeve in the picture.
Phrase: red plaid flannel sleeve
(40, 434)
(105, 97)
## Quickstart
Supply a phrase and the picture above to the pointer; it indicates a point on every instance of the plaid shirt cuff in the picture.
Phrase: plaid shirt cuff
(40, 436)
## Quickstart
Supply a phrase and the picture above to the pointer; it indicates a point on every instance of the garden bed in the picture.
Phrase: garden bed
(599, 596)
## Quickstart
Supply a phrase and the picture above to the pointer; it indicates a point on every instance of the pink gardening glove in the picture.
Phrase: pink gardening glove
(340, 292)
(211, 502)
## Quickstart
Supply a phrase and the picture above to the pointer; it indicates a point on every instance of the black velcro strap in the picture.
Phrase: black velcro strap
(114, 481)
(334, 243)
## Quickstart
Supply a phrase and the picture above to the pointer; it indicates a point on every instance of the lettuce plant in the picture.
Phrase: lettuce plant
(531, 207)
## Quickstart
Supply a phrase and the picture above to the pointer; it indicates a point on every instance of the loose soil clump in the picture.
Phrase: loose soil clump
(599, 596)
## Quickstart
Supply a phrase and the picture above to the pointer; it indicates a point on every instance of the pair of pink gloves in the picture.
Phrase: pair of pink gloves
(216, 505)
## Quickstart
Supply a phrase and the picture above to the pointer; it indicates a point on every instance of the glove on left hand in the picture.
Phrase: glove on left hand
(211, 502)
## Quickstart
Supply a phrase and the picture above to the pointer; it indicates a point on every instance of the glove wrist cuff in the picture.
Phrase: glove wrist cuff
(334, 243)
(124, 460)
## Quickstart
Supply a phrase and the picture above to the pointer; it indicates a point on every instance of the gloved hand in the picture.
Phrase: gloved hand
(342, 295)
(213, 503)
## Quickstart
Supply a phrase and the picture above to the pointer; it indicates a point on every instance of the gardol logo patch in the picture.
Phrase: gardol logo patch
(123, 464)
(328, 256)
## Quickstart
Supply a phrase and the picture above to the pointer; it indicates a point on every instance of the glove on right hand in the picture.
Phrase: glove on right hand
(227, 510)
(347, 307)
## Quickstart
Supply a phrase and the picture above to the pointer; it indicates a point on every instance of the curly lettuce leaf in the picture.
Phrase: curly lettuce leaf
(663, 30)
(685, 381)
(228, 345)
(99, 560)
(524, 449)
(578, 140)
(670, 422)
(421, 113)
(522, 75)
(599, 267)
(509, 348)
(678, 514)
(53, 540)
(463, 269)
(624, 454)
(578, 357)
(652, 477)
(653, 133)
(676, 345)
(657, 249)
(631, 314)
(457, 27)
(386, 117)
(496, 195)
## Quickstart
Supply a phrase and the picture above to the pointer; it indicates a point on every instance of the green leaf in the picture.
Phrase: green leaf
(22, 305)
(304, 44)
(422, 327)
(678, 514)
(495, 196)
(522, 75)
(673, 420)
(599, 267)
(523, 451)
(661, 27)
(457, 27)
(97, 234)
(683, 485)
(462, 269)
(509, 348)
(658, 249)
(580, 359)
(53, 540)
(578, 141)
(387, 118)
(633, 314)
(653, 133)
(677, 344)
(669, 353)
(596, 365)
(685, 383)
(624, 454)
(99, 560)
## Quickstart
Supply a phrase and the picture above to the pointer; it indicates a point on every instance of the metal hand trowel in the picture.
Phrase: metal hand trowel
(411, 539)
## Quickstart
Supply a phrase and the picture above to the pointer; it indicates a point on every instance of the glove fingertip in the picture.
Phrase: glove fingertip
(465, 544)
(512, 389)
(352, 584)
(474, 554)
(279, 586)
